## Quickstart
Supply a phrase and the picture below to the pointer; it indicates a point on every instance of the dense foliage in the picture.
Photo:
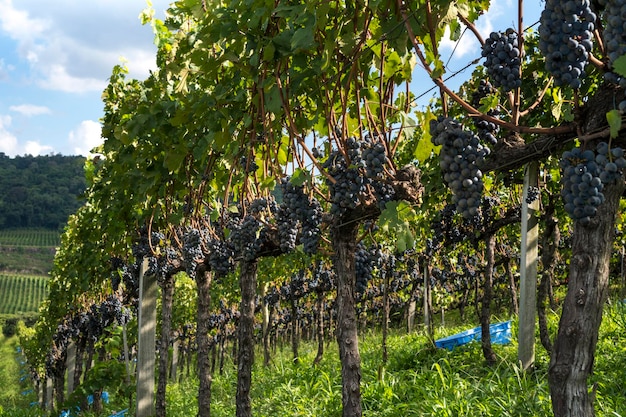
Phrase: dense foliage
(40, 191)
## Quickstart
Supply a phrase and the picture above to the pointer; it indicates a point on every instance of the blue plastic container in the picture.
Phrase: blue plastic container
(500, 334)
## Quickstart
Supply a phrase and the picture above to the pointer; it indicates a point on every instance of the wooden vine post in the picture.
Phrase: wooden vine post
(528, 270)
(71, 367)
(146, 356)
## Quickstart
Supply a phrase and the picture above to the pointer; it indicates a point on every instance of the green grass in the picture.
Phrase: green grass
(26, 260)
(15, 394)
(21, 294)
(28, 251)
(418, 380)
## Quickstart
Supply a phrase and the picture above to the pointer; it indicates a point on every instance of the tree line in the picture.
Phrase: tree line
(40, 191)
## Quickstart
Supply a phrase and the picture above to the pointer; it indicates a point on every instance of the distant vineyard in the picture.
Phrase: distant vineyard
(21, 294)
(30, 237)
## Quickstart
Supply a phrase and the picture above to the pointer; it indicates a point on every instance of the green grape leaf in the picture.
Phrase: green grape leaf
(299, 177)
(394, 220)
(615, 122)
(619, 65)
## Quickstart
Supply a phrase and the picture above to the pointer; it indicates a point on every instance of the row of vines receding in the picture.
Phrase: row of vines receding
(278, 180)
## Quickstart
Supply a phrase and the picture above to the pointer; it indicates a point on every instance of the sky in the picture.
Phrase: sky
(56, 57)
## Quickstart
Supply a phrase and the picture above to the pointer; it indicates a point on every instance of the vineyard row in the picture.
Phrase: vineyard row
(21, 294)
(30, 237)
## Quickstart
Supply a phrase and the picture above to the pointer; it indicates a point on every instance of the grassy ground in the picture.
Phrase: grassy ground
(28, 251)
(26, 261)
(14, 395)
(418, 380)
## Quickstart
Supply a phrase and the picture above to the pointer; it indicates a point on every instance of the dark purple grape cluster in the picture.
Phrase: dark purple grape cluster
(584, 175)
(349, 186)
(322, 278)
(582, 186)
(298, 286)
(532, 195)
(566, 39)
(111, 310)
(145, 246)
(299, 209)
(374, 156)
(364, 265)
(192, 250)
(220, 257)
(259, 206)
(459, 159)
(249, 166)
(444, 229)
(611, 161)
(272, 297)
(614, 37)
(166, 262)
(358, 178)
(503, 59)
(245, 235)
(287, 230)
(487, 130)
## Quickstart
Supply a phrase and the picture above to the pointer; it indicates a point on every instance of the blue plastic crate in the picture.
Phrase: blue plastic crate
(500, 334)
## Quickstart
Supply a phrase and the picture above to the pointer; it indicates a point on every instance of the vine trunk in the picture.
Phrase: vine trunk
(574, 349)
(344, 242)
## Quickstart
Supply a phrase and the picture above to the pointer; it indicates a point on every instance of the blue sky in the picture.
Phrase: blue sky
(56, 56)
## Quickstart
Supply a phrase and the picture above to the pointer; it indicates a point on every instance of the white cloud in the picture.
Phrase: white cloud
(72, 45)
(30, 109)
(8, 141)
(10, 145)
(18, 24)
(35, 148)
(57, 78)
(468, 44)
(85, 137)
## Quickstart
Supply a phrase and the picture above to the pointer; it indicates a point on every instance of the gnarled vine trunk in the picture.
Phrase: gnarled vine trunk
(203, 283)
(574, 348)
(167, 291)
(247, 283)
(344, 242)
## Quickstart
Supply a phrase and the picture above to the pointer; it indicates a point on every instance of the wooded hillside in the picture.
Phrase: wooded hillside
(39, 191)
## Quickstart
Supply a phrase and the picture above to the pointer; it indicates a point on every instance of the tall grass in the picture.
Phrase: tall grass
(418, 380)
(11, 397)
